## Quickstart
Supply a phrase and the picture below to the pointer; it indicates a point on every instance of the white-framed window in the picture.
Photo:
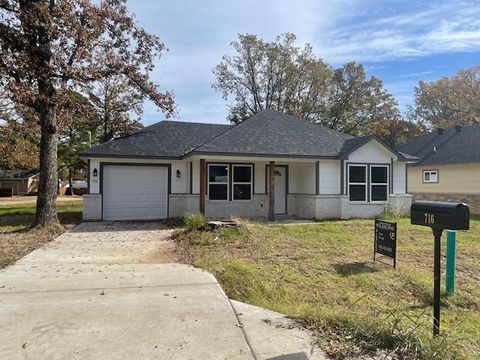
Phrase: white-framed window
(357, 182)
(242, 183)
(232, 182)
(430, 176)
(218, 181)
(379, 183)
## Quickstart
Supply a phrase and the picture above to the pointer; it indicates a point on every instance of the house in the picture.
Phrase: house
(447, 167)
(271, 164)
(23, 182)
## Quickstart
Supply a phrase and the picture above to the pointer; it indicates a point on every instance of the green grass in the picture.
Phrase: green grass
(323, 274)
(20, 215)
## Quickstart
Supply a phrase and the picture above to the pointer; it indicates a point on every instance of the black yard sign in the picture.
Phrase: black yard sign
(386, 240)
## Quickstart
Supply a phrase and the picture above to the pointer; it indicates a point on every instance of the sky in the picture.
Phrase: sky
(401, 42)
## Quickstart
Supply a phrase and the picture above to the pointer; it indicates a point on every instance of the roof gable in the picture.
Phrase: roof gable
(352, 145)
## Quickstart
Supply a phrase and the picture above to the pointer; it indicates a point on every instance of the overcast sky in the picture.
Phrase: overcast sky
(401, 42)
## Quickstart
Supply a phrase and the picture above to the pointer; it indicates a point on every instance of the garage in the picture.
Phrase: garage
(132, 192)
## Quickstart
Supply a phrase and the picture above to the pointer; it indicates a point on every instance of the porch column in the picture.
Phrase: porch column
(203, 185)
(271, 191)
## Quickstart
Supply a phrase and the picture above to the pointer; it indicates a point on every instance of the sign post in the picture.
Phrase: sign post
(451, 255)
(439, 216)
(437, 233)
(385, 240)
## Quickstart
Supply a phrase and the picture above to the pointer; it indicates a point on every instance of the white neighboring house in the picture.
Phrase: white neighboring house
(271, 165)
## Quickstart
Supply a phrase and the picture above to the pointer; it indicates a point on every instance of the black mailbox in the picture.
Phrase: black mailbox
(440, 215)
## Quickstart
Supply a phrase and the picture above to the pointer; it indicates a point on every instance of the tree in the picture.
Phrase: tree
(18, 146)
(276, 75)
(49, 47)
(397, 132)
(286, 78)
(119, 106)
(355, 104)
(448, 101)
(76, 135)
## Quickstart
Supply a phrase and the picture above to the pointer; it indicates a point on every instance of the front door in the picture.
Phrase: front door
(280, 190)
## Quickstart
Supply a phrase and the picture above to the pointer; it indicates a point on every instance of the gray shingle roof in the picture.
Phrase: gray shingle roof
(168, 139)
(451, 147)
(17, 174)
(268, 133)
(274, 133)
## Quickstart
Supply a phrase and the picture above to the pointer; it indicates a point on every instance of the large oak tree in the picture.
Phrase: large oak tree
(48, 48)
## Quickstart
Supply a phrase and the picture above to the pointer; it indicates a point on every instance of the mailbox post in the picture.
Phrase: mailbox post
(439, 216)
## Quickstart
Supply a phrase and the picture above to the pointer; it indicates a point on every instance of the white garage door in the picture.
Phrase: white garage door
(135, 192)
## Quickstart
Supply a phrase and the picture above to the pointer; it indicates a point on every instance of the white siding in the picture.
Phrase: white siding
(196, 177)
(179, 185)
(302, 178)
(329, 177)
(260, 177)
(399, 178)
(94, 181)
(371, 152)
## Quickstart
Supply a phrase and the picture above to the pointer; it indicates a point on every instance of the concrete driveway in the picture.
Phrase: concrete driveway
(104, 291)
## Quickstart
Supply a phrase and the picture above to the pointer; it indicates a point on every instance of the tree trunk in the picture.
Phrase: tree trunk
(47, 188)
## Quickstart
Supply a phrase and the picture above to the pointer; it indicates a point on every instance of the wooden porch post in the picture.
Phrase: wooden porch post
(203, 185)
(271, 191)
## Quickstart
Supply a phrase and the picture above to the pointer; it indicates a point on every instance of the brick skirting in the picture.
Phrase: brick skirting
(473, 201)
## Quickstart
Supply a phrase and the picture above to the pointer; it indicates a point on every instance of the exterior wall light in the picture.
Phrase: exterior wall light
(178, 173)
(95, 172)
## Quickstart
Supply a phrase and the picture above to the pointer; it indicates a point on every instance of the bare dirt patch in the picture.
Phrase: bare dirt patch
(18, 243)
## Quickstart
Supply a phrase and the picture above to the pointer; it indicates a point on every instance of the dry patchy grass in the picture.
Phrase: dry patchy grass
(323, 274)
(17, 239)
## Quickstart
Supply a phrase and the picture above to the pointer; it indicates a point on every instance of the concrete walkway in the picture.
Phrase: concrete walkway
(102, 292)
(107, 291)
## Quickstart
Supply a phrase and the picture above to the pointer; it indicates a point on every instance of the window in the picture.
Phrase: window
(357, 182)
(378, 183)
(242, 182)
(430, 176)
(222, 177)
(218, 182)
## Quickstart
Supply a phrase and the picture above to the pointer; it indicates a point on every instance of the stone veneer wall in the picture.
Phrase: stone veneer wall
(473, 201)
(255, 208)
(302, 205)
(179, 204)
(92, 207)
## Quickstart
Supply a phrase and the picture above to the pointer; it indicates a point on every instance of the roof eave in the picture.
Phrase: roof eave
(290, 156)
(128, 156)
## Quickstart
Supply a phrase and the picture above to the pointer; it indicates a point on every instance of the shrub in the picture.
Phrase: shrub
(194, 221)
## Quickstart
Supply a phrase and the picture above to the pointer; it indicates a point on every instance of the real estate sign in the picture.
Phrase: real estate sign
(386, 240)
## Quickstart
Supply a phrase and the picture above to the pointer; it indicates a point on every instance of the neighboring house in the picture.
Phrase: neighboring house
(447, 166)
(23, 182)
(271, 164)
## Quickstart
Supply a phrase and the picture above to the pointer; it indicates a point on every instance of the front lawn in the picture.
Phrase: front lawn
(323, 274)
(17, 239)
